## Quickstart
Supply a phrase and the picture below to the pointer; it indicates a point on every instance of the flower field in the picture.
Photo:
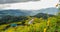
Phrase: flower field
(38, 25)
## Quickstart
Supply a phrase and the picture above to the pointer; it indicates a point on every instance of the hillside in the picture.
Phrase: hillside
(17, 12)
(43, 15)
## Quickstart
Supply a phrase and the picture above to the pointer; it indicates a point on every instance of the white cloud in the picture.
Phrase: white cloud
(32, 5)
(14, 1)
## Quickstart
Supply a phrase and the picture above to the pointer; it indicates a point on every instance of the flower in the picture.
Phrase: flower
(45, 29)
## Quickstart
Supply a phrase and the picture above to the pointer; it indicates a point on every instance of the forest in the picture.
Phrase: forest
(37, 23)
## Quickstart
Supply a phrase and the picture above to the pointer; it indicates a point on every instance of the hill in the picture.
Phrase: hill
(17, 12)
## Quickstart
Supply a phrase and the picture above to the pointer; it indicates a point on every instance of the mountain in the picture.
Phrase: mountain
(17, 12)
(10, 19)
(51, 10)
(14, 12)
(14, 15)
(43, 15)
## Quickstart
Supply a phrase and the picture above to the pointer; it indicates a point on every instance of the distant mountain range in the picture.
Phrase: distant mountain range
(10, 19)
(17, 12)
(9, 16)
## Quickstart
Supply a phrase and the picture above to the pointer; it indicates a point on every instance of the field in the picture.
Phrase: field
(38, 25)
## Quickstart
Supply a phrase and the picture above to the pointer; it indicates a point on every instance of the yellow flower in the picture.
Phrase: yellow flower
(45, 29)
(48, 21)
(10, 30)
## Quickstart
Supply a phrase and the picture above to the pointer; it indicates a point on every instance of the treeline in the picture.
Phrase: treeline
(43, 15)
(6, 19)
(10, 19)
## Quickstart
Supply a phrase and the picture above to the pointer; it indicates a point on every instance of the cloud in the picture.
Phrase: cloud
(14, 1)
(30, 5)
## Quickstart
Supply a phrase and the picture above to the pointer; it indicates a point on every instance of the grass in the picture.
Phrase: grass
(40, 25)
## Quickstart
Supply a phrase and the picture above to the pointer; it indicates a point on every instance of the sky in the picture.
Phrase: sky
(30, 5)
(14, 1)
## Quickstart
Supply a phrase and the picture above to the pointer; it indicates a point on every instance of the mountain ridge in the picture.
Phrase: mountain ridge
(17, 12)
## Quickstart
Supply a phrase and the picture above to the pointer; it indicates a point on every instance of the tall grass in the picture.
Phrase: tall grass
(38, 25)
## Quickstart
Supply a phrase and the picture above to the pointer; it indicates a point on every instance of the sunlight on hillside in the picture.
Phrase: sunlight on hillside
(38, 25)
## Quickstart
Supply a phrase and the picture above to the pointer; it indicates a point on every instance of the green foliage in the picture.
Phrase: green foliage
(38, 25)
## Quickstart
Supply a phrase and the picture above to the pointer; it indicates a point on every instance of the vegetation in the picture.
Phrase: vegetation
(39, 24)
